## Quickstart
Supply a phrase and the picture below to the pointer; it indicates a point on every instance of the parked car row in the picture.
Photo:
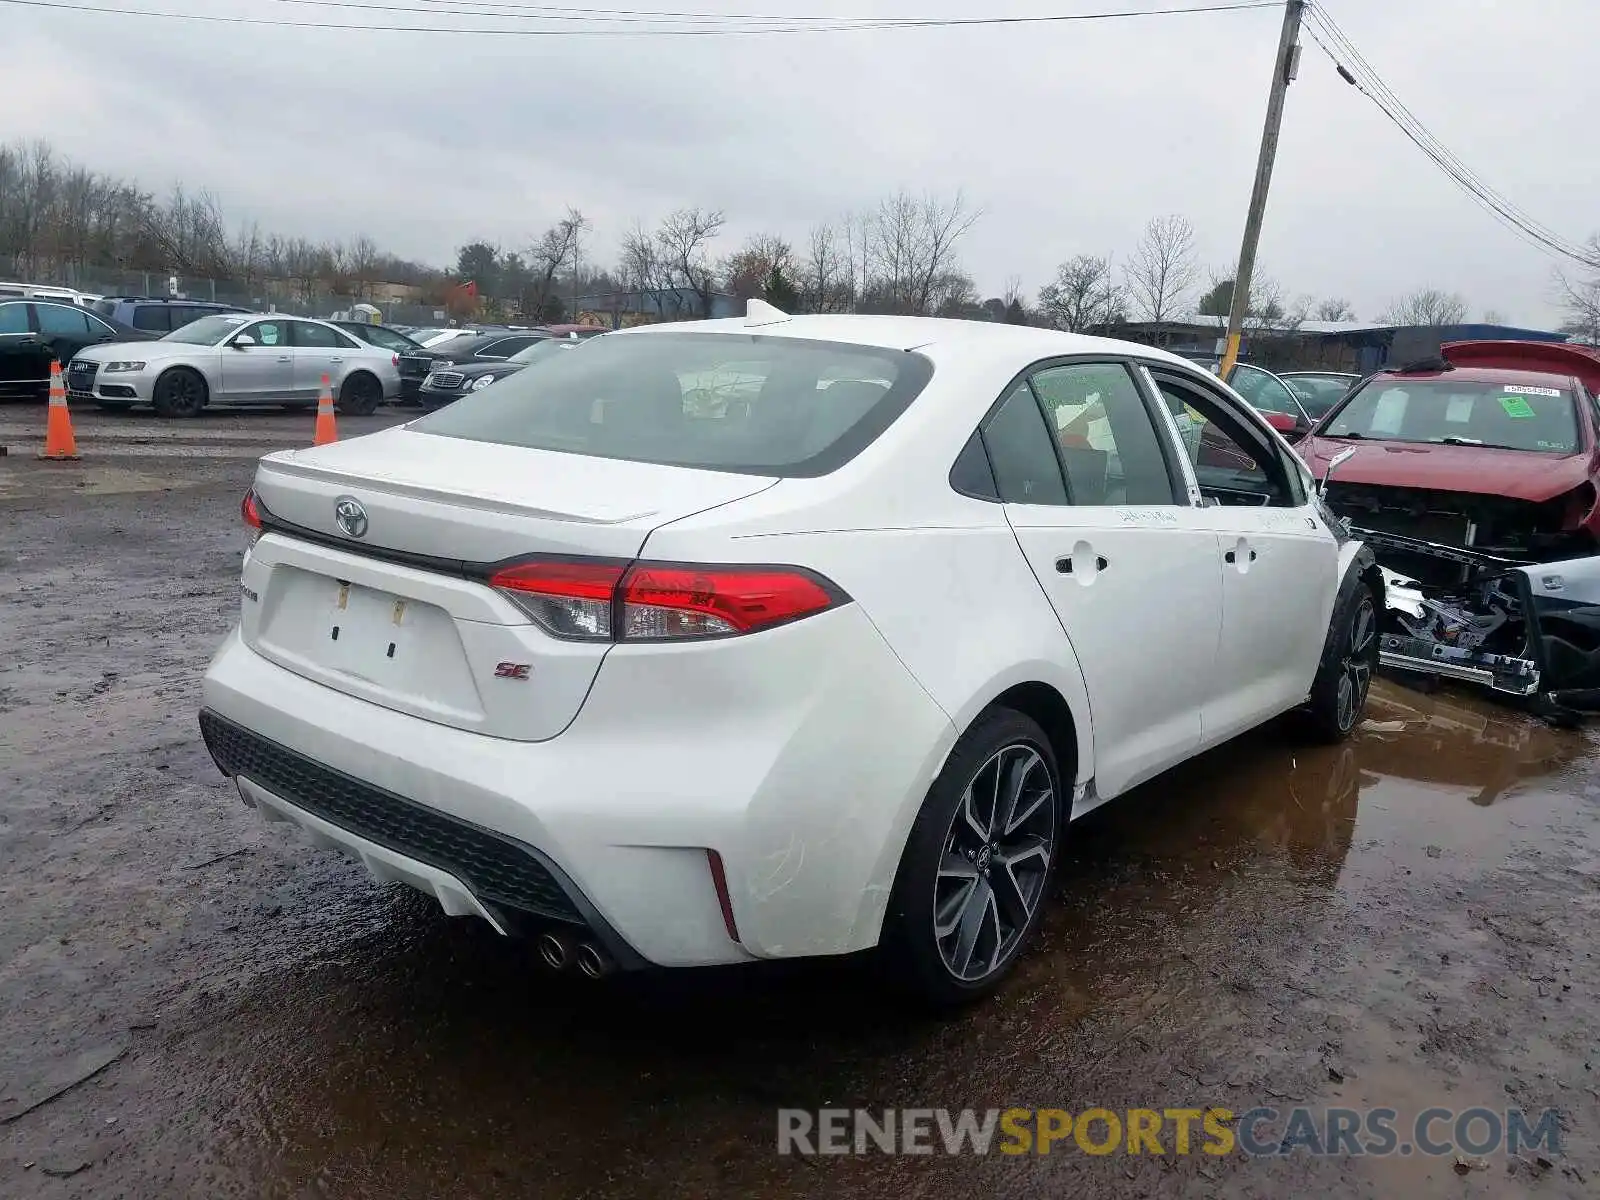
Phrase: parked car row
(445, 349)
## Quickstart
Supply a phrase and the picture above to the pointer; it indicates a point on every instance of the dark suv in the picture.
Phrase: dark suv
(159, 314)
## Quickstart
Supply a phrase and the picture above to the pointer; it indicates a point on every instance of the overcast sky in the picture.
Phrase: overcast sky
(1069, 136)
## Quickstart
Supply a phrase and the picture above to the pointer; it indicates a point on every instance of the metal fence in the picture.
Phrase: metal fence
(263, 295)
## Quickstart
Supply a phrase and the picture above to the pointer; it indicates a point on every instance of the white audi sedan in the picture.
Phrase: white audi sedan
(237, 359)
(778, 636)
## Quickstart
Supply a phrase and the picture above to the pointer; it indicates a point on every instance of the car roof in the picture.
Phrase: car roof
(945, 335)
(1489, 375)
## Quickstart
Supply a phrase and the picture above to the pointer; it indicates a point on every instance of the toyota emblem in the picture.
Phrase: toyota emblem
(351, 516)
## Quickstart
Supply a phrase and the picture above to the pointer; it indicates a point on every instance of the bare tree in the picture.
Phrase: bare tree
(826, 283)
(1334, 308)
(913, 244)
(1428, 306)
(1163, 270)
(1580, 296)
(556, 249)
(1083, 295)
(684, 246)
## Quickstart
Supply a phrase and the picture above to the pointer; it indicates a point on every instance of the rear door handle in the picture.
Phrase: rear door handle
(287, 358)
(1231, 557)
(1064, 565)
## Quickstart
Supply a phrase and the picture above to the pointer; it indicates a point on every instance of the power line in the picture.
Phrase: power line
(1398, 112)
(1364, 78)
(838, 25)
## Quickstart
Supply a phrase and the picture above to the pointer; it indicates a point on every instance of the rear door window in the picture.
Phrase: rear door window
(751, 404)
(62, 321)
(153, 317)
(13, 318)
(318, 337)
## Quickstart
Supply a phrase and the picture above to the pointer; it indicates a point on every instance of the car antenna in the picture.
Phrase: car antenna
(759, 312)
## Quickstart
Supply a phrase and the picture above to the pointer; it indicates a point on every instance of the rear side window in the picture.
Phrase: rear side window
(13, 318)
(319, 337)
(386, 338)
(1025, 467)
(1108, 442)
(61, 320)
(723, 402)
(153, 317)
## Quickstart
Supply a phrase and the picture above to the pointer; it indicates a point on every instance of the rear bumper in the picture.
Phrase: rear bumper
(805, 782)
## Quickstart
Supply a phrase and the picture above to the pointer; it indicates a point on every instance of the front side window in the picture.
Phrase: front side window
(1265, 393)
(1443, 411)
(752, 404)
(207, 331)
(1231, 465)
(1109, 446)
(1318, 393)
(269, 333)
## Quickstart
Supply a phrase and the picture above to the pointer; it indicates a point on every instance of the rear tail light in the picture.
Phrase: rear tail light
(250, 510)
(604, 600)
(571, 598)
(394, 360)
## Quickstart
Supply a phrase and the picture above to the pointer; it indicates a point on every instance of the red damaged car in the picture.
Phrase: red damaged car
(1494, 448)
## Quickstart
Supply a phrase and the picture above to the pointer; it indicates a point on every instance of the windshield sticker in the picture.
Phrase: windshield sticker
(1517, 407)
(1458, 409)
(1518, 389)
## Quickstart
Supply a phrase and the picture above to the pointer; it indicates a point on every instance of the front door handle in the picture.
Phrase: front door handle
(287, 358)
(1064, 565)
(1232, 557)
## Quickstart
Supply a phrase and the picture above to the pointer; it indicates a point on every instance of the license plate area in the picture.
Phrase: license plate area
(367, 631)
(393, 649)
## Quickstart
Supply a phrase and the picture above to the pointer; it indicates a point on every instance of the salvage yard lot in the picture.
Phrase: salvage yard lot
(1403, 921)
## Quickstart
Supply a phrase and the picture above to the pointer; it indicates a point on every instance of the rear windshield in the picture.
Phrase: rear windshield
(1510, 416)
(723, 402)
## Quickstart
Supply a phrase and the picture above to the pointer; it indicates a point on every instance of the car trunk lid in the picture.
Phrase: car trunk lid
(394, 606)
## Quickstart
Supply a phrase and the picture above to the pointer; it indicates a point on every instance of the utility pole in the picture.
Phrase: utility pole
(1284, 68)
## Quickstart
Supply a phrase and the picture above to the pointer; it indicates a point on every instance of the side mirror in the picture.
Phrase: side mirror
(243, 340)
(1334, 463)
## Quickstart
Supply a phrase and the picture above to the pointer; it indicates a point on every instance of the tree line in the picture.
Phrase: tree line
(61, 220)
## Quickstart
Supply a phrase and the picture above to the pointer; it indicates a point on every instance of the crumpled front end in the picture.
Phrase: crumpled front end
(1502, 527)
(1529, 632)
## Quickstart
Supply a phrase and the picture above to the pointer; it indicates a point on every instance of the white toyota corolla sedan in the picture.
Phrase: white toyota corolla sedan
(778, 636)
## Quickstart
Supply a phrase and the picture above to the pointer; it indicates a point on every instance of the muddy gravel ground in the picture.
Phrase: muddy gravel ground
(192, 1004)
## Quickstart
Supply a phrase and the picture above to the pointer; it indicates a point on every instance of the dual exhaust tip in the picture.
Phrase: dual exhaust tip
(560, 952)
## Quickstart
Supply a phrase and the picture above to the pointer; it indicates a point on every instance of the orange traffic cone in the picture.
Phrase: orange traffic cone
(327, 427)
(58, 440)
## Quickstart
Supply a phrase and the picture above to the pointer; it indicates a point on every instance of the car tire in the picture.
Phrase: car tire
(180, 392)
(996, 807)
(360, 395)
(1349, 659)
